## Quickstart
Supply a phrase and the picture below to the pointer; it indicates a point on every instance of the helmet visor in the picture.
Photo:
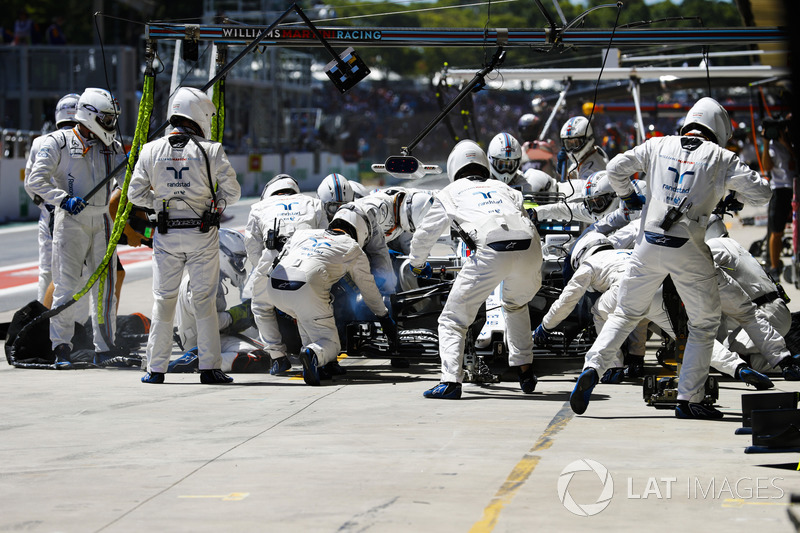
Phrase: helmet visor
(332, 207)
(573, 144)
(599, 203)
(505, 166)
(107, 121)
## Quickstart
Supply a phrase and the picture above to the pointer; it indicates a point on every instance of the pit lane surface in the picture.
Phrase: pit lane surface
(96, 450)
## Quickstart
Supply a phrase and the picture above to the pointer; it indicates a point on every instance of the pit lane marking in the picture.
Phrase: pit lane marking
(521, 472)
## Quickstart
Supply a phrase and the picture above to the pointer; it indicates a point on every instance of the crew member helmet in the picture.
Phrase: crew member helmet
(504, 155)
(98, 111)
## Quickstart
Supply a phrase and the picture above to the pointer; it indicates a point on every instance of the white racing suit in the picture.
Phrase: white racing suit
(291, 212)
(697, 172)
(595, 161)
(380, 263)
(763, 345)
(67, 164)
(180, 183)
(186, 324)
(45, 232)
(508, 250)
(300, 285)
(601, 272)
(578, 173)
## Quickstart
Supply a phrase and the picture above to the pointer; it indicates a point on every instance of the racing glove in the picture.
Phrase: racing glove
(390, 329)
(425, 271)
(73, 204)
(633, 201)
(541, 335)
(561, 159)
(241, 317)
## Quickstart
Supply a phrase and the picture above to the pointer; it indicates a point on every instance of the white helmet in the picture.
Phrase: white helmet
(335, 191)
(577, 137)
(352, 223)
(589, 244)
(195, 105)
(66, 108)
(98, 112)
(709, 118)
(232, 255)
(504, 155)
(467, 159)
(599, 196)
(384, 205)
(538, 180)
(280, 184)
(413, 209)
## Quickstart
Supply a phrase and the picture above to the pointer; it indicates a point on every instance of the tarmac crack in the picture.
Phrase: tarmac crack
(218, 456)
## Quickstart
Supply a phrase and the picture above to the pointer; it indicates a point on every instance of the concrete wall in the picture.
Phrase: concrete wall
(253, 172)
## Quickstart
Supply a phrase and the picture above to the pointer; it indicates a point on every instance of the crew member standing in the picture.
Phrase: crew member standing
(69, 164)
(188, 181)
(505, 248)
(686, 176)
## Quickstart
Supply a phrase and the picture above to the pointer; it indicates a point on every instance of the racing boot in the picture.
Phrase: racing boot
(153, 377)
(752, 377)
(280, 365)
(697, 411)
(613, 376)
(527, 379)
(310, 366)
(446, 390)
(634, 366)
(186, 363)
(334, 369)
(214, 376)
(582, 392)
(790, 367)
(62, 353)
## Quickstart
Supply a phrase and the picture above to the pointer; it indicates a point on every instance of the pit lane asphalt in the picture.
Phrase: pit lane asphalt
(96, 450)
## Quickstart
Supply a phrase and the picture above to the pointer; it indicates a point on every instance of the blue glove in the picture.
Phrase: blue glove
(425, 272)
(73, 204)
(633, 201)
(541, 335)
(562, 160)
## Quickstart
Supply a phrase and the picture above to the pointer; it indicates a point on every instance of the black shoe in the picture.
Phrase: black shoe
(153, 377)
(527, 380)
(579, 399)
(334, 369)
(280, 365)
(613, 376)
(790, 367)
(214, 376)
(697, 411)
(445, 391)
(310, 366)
(62, 353)
(634, 366)
(754, 378)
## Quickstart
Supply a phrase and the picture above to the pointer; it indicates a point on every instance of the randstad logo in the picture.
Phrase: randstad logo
(586, 509)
